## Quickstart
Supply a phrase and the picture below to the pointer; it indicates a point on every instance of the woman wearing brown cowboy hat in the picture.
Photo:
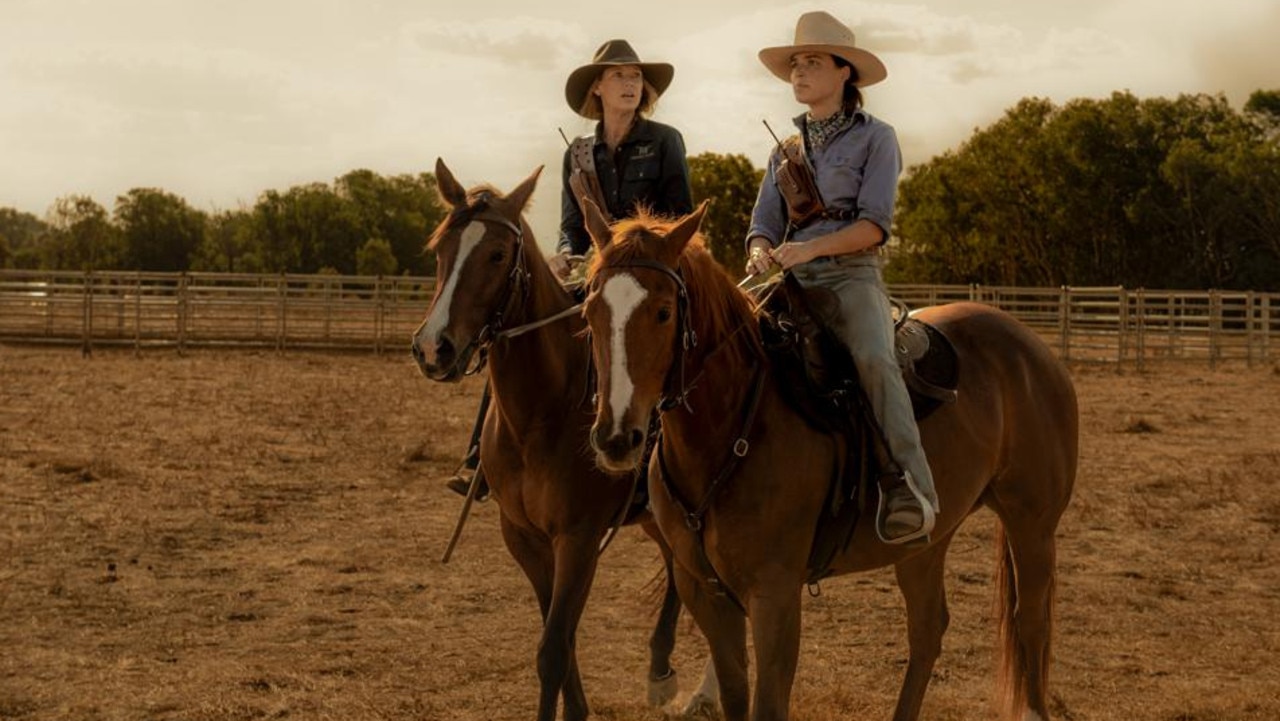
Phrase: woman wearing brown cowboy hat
(855, 161)
(637, 162)
(634, 161)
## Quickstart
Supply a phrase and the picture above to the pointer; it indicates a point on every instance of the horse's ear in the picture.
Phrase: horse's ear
(520, 196)
(675, 241)
(451, 191)
(597, 226)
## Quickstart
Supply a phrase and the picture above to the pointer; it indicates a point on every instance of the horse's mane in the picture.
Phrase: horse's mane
(717, 307)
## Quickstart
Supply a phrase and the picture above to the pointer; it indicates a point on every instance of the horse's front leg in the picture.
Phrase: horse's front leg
(725, 628)
(663, 684)
(535, 557)
(775, 629)
(575, 570)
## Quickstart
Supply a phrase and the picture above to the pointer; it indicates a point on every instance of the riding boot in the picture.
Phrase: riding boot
(904, 513)
(461, 484)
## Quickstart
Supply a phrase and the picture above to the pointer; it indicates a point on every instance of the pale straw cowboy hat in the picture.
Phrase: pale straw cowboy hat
(614, 52)
(818, 32)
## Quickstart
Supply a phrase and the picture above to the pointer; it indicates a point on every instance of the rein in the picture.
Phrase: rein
(522, 329)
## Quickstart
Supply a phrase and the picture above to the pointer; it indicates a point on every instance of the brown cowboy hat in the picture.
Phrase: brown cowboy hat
(818, 32)
(614, 52)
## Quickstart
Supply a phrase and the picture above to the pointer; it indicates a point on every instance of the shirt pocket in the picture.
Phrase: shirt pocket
(642, 171)
(841, 178)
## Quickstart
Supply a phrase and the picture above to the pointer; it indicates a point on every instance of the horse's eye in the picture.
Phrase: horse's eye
(495, 258)
(664, 315)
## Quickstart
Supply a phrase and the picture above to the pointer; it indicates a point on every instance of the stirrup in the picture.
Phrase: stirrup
(462, 486)
(928, 517)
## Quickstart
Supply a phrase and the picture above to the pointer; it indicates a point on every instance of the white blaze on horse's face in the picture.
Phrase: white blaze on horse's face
(429, 336)
(623, 294)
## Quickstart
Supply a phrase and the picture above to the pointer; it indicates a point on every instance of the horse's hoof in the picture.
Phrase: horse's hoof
(702, 707)
(663, 690)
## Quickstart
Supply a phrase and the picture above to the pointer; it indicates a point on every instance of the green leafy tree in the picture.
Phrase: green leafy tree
(1155, 193)
(307, 228)
(401, 209)
(1264, 105)
(730, 182)
(80, 236)
(376, 258)
(274, 247)
(227, 246)
(21, 235)
(160, 232)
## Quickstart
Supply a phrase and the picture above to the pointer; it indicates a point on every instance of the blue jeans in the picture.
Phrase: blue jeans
(864, 324)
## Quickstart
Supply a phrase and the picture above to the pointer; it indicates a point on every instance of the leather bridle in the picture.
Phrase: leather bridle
(675, 389)
(516, 289)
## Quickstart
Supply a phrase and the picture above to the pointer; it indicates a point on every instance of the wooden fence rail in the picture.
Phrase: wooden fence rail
(185, 310)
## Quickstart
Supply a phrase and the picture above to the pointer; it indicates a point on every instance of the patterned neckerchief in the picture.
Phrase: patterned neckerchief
(818, 132)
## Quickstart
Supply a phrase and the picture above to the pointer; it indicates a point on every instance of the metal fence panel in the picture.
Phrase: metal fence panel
(1114, 324)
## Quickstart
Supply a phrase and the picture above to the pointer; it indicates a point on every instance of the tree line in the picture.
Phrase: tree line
(1157, 193)
(363, 223)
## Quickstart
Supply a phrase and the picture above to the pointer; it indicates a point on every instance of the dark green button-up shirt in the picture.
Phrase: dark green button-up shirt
(649, 168)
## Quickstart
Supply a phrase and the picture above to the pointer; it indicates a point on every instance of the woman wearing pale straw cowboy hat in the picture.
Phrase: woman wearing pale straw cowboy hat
(851, 163)
(630, 161)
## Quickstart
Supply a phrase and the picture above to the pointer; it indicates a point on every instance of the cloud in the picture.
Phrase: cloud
(515, 42)
(1241, 56)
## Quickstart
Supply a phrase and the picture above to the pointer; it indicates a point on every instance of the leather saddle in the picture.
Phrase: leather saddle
(820, 381)
(818, 372)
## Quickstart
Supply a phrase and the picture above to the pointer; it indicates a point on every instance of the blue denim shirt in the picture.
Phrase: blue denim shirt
(856, 170)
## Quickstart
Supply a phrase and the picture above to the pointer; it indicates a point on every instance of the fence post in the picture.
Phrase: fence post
(377, 315)
(1265, 312)
(1248, 328)
(86, 321)
(1122, 336)
(282, 309)
(1064, 322)
(328, 307)
(182, 313)
(1215, 327)
(1142, 327)
(137, 313)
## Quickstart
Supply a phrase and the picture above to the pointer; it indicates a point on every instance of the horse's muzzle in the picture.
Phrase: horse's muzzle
(617, 451)
(444, 364)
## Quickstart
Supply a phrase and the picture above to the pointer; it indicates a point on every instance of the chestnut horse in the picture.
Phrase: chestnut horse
(741, 478)
(556, 505)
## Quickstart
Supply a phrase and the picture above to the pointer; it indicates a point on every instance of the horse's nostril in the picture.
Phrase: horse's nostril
(636, 437)
(597, 437)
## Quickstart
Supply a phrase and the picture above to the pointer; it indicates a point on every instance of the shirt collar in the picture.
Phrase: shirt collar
(640, 131)
(858, 115)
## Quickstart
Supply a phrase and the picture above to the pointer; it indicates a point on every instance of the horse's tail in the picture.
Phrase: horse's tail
(1014, 676)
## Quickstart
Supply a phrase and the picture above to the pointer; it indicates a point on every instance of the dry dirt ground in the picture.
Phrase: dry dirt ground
(241, 535)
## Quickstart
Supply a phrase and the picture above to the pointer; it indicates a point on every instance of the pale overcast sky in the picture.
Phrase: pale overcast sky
(218, 101)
